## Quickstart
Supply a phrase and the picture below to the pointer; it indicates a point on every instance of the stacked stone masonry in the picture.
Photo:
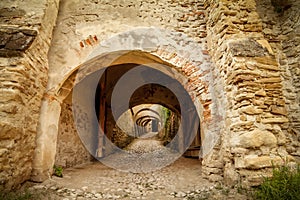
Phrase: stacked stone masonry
(257, 115)
(251, 47)
(25, 39)
(280, 29)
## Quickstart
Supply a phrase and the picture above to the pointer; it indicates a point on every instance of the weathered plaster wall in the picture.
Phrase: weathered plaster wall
(80, 19)
(25, 36)
(70, 150)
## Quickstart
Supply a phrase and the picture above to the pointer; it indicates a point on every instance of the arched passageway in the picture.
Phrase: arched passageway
(186, 64)
(120, 88)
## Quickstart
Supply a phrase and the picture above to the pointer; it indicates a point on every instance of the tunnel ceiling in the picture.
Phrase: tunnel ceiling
(146, 93)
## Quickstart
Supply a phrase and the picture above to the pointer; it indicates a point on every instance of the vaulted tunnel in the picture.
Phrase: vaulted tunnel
(125, 105)
(138, 123)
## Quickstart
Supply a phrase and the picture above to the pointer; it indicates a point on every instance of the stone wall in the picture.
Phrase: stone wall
(249, 84)
(255, 71)
(256, 111)
(70, 150)
(81, 22)
(289, 22)
(25, 36)
(280, 25)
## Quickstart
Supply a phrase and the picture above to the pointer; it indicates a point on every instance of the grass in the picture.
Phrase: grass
(283, 185)
(58, 171)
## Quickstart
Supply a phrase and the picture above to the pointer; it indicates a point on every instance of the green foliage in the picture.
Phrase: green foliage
(284, 184)
(58, 171)
(165, 114)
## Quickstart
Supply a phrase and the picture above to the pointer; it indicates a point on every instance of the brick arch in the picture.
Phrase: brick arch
(197, 82)
(170, 53)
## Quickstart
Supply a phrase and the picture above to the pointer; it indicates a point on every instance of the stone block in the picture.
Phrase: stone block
(254, 178)
(19, 41)
(243, 96)
(11, 12)
(210, 170)
(258, 162)
(3, 151)
(267, 60)
(214, 163)
(267, 67)
(257, 102)
(278, 110)
(215, 178)
(273, 86)
(14, 41)
(251, 110)
(10, 53)
(242, 125)
(239, 162)
(7, 144)
(4, 37)
(253, 27)
(254, 139)
(239, 150)
(246, 48)
(261, 93)
(7, 132)
(270, 80)
(277, 120)
(265, 44)
(231, 177)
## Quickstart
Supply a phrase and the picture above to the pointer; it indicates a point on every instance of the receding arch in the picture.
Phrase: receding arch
(146, 109)
(198, 84)
(186, 64)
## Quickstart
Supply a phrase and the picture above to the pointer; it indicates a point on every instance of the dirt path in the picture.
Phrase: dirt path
(180, 180)
(96, 181)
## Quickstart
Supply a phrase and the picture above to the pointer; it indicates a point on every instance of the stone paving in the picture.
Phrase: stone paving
(97, 181)
(180, 180)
